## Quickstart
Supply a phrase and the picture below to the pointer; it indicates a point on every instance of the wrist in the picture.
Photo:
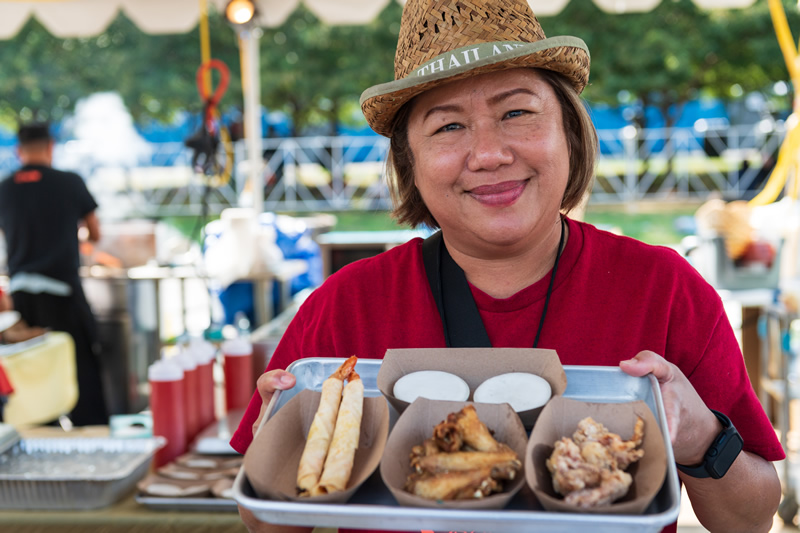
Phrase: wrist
(711, 427)
(720, 455)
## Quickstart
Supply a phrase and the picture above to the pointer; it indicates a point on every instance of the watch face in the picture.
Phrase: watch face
(724, 452)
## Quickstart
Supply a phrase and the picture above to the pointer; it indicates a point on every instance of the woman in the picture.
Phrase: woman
(491, 143)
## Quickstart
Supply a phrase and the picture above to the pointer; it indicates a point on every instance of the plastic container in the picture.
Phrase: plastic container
(237, 357)
(204, 354)
(166, 404)
(191, 394)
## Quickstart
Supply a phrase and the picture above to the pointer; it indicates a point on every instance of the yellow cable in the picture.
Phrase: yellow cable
(784, 34)
(787, 156)
(205, 45)
(777, 179)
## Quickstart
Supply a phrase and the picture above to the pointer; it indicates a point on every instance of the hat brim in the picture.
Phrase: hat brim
(564, 54)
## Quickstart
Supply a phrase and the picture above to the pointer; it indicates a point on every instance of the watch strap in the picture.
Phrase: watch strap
(720, 455)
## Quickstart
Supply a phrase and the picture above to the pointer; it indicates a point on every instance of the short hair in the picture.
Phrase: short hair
(34, 132)
(407, 204)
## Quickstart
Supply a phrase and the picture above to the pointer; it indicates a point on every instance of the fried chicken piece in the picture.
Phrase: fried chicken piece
(624, 452)
(570, 472)
(444, 462)
(596, 454)
(447, 436)
(428, 447)
(463, 485)
(474, 433)
(614, 484)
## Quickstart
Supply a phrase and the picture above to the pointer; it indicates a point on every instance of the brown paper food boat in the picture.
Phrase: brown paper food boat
(473, 365)
(416, 424)
(560, 418)
(272, 459)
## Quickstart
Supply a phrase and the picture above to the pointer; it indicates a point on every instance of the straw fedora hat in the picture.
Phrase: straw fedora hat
(447, 40)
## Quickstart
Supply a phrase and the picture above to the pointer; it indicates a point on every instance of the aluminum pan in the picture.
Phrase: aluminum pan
(91, 488)
(374, 507)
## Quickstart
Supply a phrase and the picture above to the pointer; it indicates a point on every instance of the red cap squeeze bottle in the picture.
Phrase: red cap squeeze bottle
(166, 405)
(238, 365)
(205, 354)
(191, 407)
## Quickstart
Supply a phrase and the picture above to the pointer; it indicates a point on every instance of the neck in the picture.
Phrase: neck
(504, 276)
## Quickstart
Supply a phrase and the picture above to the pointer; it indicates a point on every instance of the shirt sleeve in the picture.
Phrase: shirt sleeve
(721, 379)
(84, 201)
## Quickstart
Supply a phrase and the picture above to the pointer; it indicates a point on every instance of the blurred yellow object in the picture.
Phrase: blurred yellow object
(786, 167)
(43, 374)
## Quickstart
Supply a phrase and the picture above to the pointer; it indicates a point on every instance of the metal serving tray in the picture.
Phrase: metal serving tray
(187, 504)
(373, 506)
(72, 473)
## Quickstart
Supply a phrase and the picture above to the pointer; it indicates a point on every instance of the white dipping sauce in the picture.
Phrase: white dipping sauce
(431, 384)
(521, 390)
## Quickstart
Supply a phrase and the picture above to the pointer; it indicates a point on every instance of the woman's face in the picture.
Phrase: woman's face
(490, 158)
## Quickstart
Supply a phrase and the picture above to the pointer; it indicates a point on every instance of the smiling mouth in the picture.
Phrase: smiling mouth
(499, 194)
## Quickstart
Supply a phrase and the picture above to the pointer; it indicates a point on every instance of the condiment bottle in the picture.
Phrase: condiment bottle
(191, 405)
(237, 357)
(204, 354)
(166, 405)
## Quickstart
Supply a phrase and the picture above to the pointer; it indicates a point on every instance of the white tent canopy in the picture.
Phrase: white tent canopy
(83, 18)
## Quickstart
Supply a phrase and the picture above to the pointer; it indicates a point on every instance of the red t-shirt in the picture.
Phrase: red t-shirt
(612, 297)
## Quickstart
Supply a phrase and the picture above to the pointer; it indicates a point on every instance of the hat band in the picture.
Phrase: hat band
(464, 56)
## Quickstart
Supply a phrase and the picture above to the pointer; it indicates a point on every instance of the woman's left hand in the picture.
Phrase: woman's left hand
(692, 426)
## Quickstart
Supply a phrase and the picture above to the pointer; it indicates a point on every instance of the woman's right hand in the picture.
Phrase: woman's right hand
(266, 385)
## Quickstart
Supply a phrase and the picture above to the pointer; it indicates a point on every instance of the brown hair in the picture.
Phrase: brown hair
(408, 207)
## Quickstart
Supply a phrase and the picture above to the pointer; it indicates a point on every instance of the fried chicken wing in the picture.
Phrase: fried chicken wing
(463, 485)
(444, 462)
(474, 432)
(461, 461)
(447, 436)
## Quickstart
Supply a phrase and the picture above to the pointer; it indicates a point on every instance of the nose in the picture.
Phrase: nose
(489, 150)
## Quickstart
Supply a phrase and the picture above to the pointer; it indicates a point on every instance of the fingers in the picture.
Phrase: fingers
(266, 385)
(646, 362)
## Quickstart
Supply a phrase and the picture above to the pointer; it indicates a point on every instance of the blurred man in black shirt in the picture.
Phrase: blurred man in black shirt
(40, 211)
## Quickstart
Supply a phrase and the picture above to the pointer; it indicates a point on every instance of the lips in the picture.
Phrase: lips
(498, 194)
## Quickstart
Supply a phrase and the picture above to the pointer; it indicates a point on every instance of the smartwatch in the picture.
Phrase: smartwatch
(720, 455)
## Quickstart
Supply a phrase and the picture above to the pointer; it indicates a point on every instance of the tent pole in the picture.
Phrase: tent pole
(248, 43)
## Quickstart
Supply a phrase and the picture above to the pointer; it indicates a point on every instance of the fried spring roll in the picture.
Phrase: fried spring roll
(466, 461)
(464, 485)
(322, 428)
(342, 451)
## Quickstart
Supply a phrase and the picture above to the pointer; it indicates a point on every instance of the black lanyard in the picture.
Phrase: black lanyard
(461, 320)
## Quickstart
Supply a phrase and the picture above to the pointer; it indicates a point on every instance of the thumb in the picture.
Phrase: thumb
(646, 362)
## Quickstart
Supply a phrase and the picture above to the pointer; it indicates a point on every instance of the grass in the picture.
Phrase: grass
(651, 222)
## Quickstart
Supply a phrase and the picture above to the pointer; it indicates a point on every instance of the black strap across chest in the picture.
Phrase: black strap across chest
(461, 320)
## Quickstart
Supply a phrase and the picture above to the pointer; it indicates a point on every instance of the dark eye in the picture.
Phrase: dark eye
(515, 113)
(449, 127)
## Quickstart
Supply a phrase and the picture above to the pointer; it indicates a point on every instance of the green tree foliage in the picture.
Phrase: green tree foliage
(316, 73)
(312, 70)
(676, 52)
(42, 76)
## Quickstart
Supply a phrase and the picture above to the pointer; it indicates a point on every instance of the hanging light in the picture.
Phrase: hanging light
(240, 12)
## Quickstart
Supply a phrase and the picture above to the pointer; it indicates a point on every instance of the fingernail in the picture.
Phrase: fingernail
(285, 380)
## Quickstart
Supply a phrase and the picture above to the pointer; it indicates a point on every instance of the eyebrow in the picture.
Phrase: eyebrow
(494, 100)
